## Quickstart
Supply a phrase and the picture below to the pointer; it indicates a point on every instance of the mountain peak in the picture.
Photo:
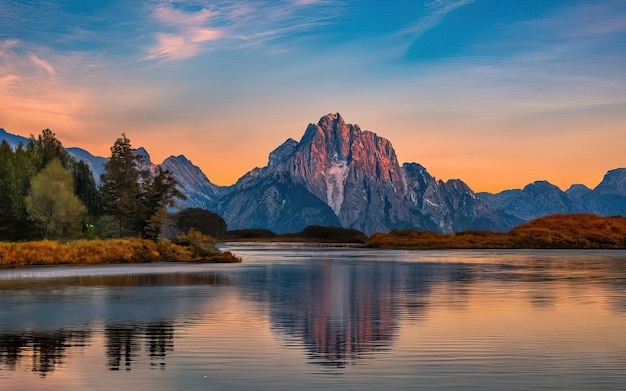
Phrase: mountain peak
(282, 153)
(614, 182)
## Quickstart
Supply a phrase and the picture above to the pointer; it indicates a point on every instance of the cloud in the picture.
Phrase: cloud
(185, 29)
(436, 11)
(189, 30)
(33, 94)
(42, 64)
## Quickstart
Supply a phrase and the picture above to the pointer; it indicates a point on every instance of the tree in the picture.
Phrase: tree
(120, 186)
(158, 193)
(85, 187)
(7, 191)
(48, 147)
(52, 203)
(135, 197)
(25, 167)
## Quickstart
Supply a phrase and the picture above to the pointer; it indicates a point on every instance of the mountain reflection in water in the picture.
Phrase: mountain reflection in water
(408, 315)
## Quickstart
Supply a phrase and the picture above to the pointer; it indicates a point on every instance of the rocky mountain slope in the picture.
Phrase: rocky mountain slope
(198, 189)
(355, 176)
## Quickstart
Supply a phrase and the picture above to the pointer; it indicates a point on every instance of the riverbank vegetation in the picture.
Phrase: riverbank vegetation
(566, 231)
(193, 247)
(53, 212)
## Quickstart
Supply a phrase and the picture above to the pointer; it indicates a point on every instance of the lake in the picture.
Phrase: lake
(293, 317)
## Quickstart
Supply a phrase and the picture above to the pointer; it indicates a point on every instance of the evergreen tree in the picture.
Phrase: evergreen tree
(120, 186)
(52, 203)
(7, 192)
(136, 198)
(85, 188)
(158, 193)
(25, 162)
(47, 147)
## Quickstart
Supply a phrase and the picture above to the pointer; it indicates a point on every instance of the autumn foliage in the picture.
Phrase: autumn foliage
(111, 251)
(577, 231)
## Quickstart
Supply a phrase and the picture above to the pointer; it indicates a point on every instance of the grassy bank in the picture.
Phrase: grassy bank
(85, 252)
(566, 231)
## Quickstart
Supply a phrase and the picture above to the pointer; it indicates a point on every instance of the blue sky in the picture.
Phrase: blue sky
(495, 93)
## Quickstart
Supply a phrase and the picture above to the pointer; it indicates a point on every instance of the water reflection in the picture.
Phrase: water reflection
(342, 313)
(336, 311)
(345, 311)
(45, 350)
(123, 343)
(42, 320)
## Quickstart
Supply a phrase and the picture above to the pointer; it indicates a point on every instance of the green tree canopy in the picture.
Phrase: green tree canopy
(47, 147)
(136, 198)
(120, 186)
(52, 203)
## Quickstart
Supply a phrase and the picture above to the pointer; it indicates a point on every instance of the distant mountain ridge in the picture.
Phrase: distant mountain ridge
(340, 175)
(541, 198)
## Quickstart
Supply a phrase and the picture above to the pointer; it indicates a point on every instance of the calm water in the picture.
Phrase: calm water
(305, 318)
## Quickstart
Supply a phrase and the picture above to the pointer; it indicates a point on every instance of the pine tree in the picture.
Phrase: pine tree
(120, 187)
(158, 193)
(85, 187)
(8, 192)
(136, 198)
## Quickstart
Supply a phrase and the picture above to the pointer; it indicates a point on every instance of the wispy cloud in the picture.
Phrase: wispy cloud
(43, 64)
(32, 91)
(435, 12)
(189, 29)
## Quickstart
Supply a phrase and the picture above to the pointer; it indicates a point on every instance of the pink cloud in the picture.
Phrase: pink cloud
(203, 35)
(43, 64)
(188, 33)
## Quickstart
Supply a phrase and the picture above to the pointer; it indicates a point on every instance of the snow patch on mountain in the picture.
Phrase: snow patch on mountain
(336, 176)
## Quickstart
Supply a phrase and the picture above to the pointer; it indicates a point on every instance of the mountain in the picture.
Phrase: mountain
(12, 139)
(273, 200)
(542, 198)
(537, 199)
(198, 189)
(338, 169)
(609, 197)
(340, 175)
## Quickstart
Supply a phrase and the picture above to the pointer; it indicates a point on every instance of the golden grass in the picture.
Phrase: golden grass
(576, 231)
(84, 252)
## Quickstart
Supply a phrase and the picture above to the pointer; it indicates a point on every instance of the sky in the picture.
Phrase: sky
(496, 93)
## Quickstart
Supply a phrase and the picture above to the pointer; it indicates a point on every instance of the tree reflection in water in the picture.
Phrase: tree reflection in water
(123, 343)
(46, 349)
